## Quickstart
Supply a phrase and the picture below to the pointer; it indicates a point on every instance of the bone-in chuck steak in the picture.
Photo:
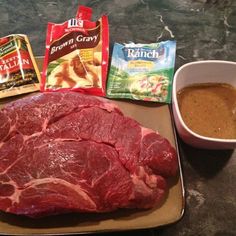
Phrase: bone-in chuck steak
(68, 152)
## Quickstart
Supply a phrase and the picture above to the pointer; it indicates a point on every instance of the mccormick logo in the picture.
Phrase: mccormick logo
(137, 53)
(75, 23)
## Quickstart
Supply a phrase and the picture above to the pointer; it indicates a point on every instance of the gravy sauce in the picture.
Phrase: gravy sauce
(209, 109)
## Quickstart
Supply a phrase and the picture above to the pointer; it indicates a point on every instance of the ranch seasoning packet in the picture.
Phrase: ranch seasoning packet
(142, 71)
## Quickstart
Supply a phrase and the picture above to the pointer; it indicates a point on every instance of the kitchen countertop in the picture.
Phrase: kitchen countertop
(203, 29)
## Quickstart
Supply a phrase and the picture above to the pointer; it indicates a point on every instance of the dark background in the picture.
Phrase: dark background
(203, 29)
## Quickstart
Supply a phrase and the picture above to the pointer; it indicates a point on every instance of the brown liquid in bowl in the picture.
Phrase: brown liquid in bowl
(209, 109)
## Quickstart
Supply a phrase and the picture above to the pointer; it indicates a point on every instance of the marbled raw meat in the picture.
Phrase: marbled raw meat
(69, 152)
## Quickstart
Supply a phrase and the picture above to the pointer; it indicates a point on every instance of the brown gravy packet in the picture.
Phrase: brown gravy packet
(76, 56)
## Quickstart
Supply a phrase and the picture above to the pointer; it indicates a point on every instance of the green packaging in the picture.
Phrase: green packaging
(142, 71)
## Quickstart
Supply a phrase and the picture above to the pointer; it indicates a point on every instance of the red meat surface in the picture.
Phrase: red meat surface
(68, 152)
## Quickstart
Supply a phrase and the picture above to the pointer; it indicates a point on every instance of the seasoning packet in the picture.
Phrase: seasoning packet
(18, 70)
(76, 55)
(142, 71)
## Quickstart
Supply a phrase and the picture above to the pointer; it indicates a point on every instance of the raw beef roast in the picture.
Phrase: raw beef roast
(68, 152)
